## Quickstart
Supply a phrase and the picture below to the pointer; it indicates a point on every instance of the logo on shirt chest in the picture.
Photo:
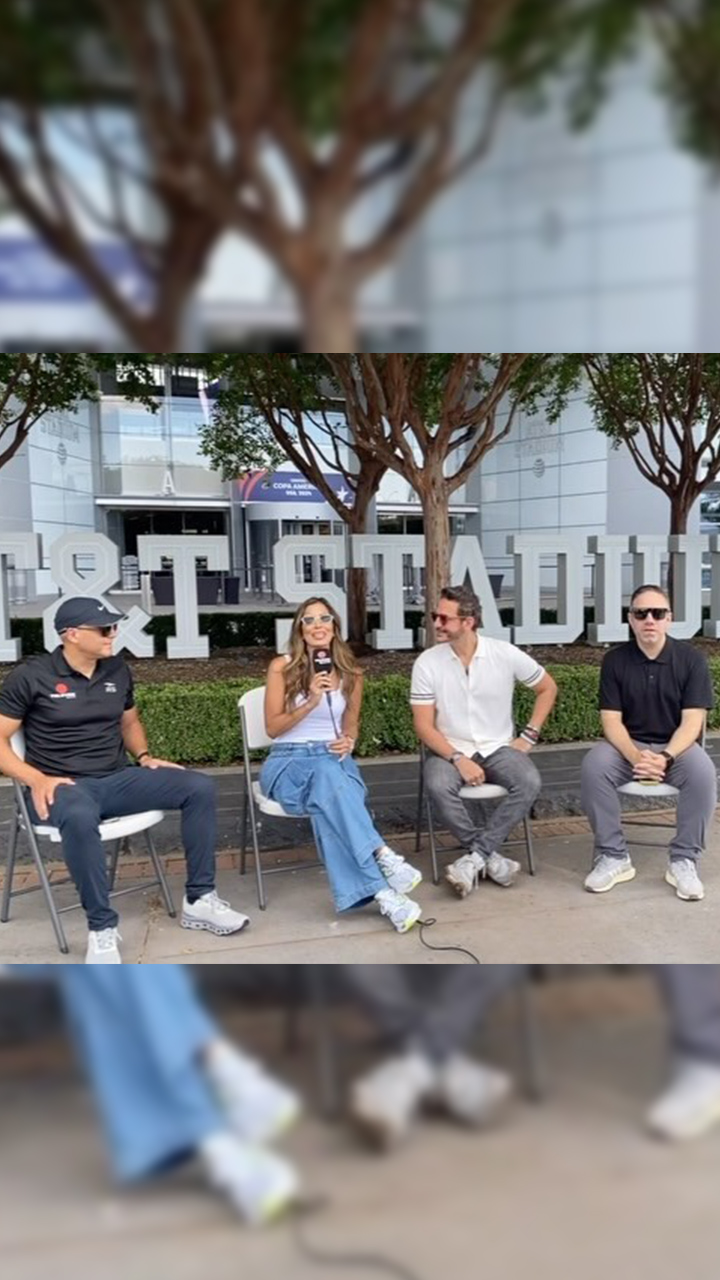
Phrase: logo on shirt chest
(110, 687)
(62, 691)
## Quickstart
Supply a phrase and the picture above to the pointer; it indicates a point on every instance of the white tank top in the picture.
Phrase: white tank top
(317, 725)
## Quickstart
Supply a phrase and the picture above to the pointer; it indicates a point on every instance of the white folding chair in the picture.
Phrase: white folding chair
(476, 795)
(113, 832)
(651, 791)
(254, 738)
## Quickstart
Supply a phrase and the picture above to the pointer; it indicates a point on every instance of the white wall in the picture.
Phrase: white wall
(571, 241)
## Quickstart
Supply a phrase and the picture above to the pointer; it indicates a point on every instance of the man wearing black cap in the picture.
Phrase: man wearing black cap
(78, 713)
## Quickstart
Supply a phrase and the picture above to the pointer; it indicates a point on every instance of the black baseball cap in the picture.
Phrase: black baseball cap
(83, 611)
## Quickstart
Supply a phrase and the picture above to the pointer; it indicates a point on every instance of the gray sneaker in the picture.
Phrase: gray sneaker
(682, 875)
(607, 872)
(691, 1105)
(384, 1103)
(463, 874)
(502, 870)
(471, 1092)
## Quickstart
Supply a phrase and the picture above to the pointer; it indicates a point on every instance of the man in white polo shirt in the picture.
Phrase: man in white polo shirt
(462, 696)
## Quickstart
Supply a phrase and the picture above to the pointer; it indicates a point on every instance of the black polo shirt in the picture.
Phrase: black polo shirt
(71, 723)
(652, 693)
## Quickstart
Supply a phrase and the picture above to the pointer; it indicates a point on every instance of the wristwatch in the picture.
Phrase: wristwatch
(456, 755)
(669, 757)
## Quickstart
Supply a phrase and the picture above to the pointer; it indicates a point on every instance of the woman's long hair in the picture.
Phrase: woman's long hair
(299, 671)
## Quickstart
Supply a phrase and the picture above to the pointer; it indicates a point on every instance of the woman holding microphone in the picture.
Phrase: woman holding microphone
(312, 712)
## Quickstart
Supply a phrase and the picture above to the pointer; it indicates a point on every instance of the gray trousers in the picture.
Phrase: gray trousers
(437, 1013)
(507, 768)
(434, 1013)
(692, 996)
(604, 769)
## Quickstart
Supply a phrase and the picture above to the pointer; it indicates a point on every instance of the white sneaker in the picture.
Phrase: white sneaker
(607, 872)
(259, 1108)
(399, 874)
(103, 947)
(260, 1184)
(402, 912)
(501, 870)
(464, 874)
(683, 876)
(691, 1105)
(210, 912)
(471, 1092)
(384, 1103)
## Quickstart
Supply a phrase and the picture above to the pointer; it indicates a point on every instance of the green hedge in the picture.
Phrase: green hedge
(198, 723)
(193, 723)
(237, 630)
(225, 630)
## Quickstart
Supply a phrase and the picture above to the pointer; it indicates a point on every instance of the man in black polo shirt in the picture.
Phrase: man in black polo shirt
(77, 710)
(654, 693)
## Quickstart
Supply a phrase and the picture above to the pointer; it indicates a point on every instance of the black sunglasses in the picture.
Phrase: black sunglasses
(642, 614)
(444, 618)
(110, 630)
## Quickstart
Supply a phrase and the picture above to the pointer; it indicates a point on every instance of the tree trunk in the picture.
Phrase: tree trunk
(356, 579)
(356, 582)
(328, 307)
(158, 333)
(434, 499)
(679, 512)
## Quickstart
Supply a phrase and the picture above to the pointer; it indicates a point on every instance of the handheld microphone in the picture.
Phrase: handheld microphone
(323, 665)
(322, 662)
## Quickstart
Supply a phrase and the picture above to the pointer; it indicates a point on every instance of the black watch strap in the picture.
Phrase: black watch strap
(668, 756)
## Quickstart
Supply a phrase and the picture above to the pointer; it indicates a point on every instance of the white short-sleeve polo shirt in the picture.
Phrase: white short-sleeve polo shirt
(473, 706)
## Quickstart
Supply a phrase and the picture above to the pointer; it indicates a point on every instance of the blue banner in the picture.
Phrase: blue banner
(30, 272)
(290, 486)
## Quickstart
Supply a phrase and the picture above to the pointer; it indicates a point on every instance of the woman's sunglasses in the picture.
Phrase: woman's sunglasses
(324, 618)
(642, 614)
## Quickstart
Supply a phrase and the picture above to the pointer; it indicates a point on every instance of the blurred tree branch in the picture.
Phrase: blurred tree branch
(291, 122)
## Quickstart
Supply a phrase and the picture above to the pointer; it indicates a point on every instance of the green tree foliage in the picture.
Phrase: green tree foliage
(665, 407)
(36, 383)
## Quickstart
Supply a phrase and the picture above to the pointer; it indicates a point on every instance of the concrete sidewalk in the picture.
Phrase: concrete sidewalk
(548, 919)
(572, 1187)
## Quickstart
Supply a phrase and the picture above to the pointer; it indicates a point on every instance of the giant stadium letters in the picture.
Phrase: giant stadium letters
(388, 555)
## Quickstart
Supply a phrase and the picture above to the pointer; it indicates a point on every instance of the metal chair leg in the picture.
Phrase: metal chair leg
(418, 819)
(533, 1068)
(256, 854)
(160, 873)
(326, 1044)
(10, 868)
(113, 863)
(243, 845)
(433, 846)
(529, 845)
(42, 874)
(295, 993)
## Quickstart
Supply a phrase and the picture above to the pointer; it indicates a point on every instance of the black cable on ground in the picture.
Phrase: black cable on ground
(321, 1257)
(463, 951)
